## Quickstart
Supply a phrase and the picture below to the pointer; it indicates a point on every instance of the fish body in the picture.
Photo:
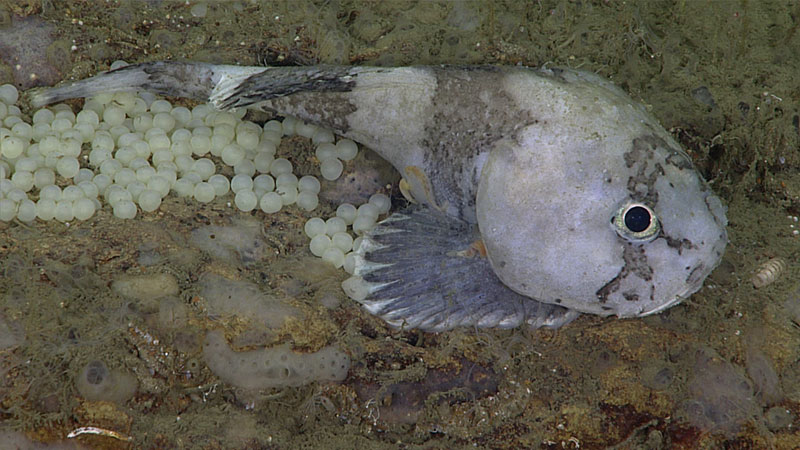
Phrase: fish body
(546, 192)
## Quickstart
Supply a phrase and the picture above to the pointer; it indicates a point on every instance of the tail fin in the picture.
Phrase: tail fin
(224, 85)
(197, 81)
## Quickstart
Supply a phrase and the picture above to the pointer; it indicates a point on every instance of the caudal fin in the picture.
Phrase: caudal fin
(197, 81)
(224, 85)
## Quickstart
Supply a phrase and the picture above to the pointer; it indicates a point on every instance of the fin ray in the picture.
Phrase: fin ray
(411, 272)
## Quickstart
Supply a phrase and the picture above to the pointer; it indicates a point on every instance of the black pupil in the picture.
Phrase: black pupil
(637, 219)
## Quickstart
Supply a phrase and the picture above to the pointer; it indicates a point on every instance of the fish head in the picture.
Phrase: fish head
(615, 224)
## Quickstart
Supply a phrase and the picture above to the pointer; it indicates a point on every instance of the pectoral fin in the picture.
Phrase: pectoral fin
(424, 269)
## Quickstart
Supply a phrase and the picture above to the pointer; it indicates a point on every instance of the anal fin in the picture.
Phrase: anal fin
(416, 270)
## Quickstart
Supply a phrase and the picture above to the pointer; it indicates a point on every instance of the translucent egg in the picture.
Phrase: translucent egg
(307, 200)
(64, 211)
(288, 194)
(87, 116)
(322, 135)
(246, 200)
(335, 225)
(309, 183)
(347, 212)
(113, 115)
(264, 183)
(220, 183)
(263, 161)
(241, 182)
(46, 209)
(83, 208)
(349, 263)
(363, 224)
(271, 202)
(8, 210)
(325, 151)
(43, 177)
(286, 179)
(280, 166)
(11, 147)
(149, 200)
(43, 115)
(246, 167)
(125, 209)
(381, 202)
(368, 210)
(331, 169)
(319, 244)
(314, 226)
(334, 256)
(232, 154)
(204, 192)
(26, 210)
(343, 241)
(346, 149)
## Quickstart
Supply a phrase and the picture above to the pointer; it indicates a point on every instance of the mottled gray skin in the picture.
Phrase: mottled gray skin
(426, 121)
(547, 163)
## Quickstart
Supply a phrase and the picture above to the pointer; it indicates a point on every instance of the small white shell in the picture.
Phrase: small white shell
(768, 272)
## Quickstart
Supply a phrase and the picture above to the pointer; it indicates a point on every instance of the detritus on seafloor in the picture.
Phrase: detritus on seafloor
(272, 367)
(778, 417)
(146, 287)
(227, 298)
(239, 243)
(18, 441)
(722, 398)
(760, 369)
(96, 382)
(12, 334)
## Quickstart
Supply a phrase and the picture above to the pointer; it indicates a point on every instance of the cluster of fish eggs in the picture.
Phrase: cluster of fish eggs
(139, 150)
(130, 150)
(330, 239)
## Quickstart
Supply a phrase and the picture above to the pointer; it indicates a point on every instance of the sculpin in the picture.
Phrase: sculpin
(544, 193)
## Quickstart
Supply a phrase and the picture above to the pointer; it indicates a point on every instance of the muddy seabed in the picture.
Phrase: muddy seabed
(721, 370)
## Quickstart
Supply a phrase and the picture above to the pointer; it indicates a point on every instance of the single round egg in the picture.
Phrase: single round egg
(307, 200)
(346, 149)
(347, 212)
(264, 183)
(149, 200)
(220, 183)
(124, 209)
(26, 210)
(204, 192)
(245, 200)
(271, 202)
(64, 211)
(314, 226)
(331, 169)
(280, 166)
(83, 208)
(335, 225)
(334, 256)
(343, 241)
(241, 182)
(309, 183)
(319, 244)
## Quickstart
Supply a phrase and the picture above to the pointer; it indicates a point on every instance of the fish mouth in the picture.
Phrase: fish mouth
(664, 306)
(690, 289)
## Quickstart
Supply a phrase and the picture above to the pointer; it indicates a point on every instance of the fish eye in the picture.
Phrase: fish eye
(636, 222)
